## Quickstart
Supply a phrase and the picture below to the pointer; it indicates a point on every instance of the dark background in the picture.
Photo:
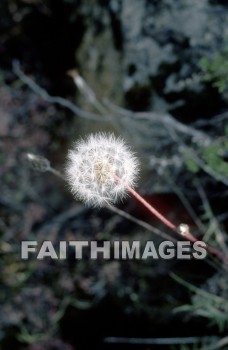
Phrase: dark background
(142, 56)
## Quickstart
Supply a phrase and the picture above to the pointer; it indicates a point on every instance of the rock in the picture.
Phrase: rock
(129, 47)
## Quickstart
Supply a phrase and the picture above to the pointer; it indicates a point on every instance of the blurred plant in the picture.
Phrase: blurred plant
(213, 156)
(216, 70)
(205, 303)
(213, 70)
(187, 347)
(41, 164)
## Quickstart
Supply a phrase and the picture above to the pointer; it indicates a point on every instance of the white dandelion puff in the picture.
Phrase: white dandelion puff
(99, 168)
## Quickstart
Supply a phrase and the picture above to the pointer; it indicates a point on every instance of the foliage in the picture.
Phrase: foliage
(213, 155)
(206, 304)
(216, 70)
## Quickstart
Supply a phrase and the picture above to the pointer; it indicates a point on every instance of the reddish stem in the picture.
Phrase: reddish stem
(186, 234)
(151, 209)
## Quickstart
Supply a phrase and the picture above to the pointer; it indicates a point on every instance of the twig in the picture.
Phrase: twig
(186, 204)
(161, 118)
(55, 172)
(86, 91)
(141, 223)
(158, 341)
(212, 121)
(214, 222)
(220, 344)
(55, 99)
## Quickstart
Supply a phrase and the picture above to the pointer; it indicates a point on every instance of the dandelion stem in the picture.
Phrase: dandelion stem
(147, 205)
(186, 234)
(151, 209)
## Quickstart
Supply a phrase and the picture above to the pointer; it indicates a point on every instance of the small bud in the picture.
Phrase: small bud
(183, 229)
(38, 163)
(82, 85)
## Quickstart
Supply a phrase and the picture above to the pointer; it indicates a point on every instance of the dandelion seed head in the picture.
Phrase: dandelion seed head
(92, 165)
